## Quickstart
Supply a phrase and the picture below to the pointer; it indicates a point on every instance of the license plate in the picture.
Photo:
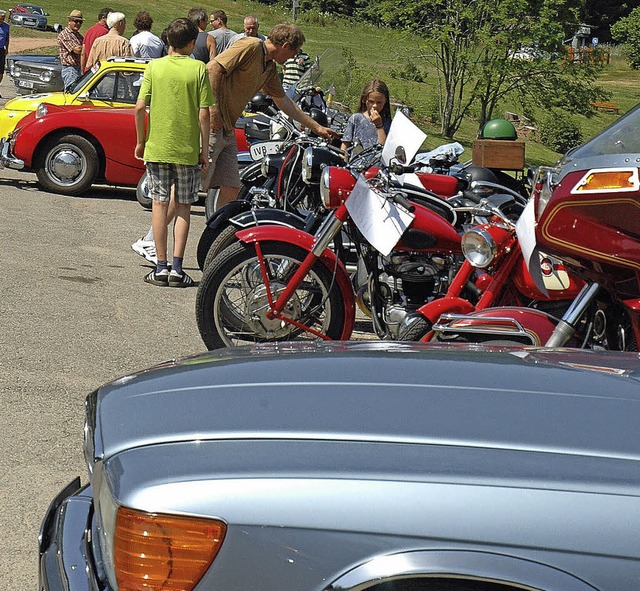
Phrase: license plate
(25, 83)
(29, 21)
(260, 150)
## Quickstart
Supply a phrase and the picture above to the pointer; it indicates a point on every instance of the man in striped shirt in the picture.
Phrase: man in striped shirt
(70, 48)
(294, 68)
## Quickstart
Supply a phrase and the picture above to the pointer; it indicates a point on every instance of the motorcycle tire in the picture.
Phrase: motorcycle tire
(415, 329)
(224, 239)
(231, 302)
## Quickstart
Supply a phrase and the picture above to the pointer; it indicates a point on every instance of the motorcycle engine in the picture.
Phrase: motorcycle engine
(408, 281)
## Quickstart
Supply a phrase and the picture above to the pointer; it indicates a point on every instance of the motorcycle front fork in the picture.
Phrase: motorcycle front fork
(567, 325)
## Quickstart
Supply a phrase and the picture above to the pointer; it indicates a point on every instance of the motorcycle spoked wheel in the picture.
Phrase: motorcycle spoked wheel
(231, 302)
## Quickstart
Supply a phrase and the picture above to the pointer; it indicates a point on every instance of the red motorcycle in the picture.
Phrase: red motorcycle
(584, 211)
(494, 273)
(278, 283)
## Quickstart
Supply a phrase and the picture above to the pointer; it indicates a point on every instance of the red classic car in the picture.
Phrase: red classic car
(72, 147)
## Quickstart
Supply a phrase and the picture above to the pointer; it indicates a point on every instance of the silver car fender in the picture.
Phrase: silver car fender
(484, 566)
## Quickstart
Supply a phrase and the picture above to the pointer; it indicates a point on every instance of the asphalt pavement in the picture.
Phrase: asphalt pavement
(75, 314)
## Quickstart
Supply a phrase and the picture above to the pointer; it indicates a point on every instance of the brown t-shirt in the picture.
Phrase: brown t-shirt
(246, 72)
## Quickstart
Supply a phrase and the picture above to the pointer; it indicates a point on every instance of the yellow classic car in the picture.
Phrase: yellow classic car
(112, 83)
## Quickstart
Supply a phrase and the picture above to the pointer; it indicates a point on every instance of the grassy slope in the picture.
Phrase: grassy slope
(375, 53)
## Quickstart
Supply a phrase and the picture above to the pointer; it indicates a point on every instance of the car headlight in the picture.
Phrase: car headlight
(41, 110)
(46, 75)
(16, 71)
(478, 247)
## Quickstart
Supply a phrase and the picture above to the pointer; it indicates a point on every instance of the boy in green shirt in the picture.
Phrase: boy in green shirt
(178, 92)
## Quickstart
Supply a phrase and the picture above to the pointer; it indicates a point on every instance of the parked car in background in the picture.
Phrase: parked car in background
(112, 83)
(357, 466)
(71, 147)
(28, 15)
(33, 73)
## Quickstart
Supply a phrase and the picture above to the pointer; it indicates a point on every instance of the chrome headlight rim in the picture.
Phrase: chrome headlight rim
(325, 183)
(478, 247)
(307, 165)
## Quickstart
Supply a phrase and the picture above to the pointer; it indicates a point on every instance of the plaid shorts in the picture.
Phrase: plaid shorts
(185, 178)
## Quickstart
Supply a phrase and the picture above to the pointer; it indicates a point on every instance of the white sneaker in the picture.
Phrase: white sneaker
(146, 249)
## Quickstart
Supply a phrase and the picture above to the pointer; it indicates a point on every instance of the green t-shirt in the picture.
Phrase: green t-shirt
(175, 87)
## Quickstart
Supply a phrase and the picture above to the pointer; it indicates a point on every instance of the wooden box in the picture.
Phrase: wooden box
(500, 154)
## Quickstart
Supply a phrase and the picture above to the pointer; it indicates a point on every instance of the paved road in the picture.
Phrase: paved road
(75, 313)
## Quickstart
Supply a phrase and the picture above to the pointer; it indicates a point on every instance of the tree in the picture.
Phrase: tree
(475, 48)
(627, 31)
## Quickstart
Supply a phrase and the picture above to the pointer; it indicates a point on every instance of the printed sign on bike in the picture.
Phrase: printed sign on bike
(261, 149)
(380, 220)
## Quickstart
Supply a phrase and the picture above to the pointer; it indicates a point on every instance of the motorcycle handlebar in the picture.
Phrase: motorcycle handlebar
(397, 168)
(401, 200)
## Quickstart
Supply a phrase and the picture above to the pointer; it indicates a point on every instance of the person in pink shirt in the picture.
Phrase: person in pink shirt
(93, 32)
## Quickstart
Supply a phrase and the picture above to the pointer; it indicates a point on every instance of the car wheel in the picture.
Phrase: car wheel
(67, 165)
(142, 192)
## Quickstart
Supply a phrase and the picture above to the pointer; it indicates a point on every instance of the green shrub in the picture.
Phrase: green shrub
(559, 132)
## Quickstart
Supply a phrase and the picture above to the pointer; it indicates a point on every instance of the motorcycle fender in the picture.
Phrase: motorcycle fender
(492, 322)
(452, 305)
(276, 217)
(305, 241)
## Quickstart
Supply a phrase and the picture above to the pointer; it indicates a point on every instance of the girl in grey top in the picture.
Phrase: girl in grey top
(371, 123)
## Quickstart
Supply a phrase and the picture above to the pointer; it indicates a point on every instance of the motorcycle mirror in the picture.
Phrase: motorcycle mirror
(401, 155)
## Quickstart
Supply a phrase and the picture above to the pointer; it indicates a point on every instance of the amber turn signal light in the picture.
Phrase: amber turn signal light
(608, 180)
(163, 552)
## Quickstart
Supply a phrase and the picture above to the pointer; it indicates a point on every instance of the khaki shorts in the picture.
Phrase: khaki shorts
(223, 162)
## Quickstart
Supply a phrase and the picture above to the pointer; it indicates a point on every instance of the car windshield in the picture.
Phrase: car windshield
(621, 137)
(36, 10)
(80, 82)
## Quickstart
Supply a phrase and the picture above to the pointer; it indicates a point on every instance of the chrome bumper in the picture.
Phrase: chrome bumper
(7, 159)
(65, 564)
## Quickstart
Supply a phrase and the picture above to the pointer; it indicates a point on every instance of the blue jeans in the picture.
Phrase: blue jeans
(69, 75)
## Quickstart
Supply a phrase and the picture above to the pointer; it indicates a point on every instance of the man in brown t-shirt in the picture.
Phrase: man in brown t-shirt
(236, 74)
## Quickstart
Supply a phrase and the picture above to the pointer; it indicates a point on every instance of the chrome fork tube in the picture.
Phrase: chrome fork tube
(566, 327)
(325, 234)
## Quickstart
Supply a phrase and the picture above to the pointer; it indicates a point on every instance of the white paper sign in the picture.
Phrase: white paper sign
(381, 222)
(526, 231)
(404, 134)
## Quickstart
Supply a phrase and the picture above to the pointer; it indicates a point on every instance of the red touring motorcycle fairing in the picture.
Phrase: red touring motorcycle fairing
(584, 211)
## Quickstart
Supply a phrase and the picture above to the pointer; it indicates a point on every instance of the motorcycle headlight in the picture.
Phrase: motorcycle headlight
(314, 161)
(325, 188)
(478, 247)
(46, 76)
(41, 110)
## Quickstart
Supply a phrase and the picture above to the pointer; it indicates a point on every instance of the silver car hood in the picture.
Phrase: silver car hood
(569, 402)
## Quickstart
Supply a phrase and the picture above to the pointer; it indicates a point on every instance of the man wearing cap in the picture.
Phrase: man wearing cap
(70, 48)
(4, 42)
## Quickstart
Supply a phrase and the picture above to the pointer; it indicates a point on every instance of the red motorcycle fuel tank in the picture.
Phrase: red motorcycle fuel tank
(441, 184)
(428, 232)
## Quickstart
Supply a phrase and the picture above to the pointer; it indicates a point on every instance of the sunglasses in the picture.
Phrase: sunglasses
(76, 20)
